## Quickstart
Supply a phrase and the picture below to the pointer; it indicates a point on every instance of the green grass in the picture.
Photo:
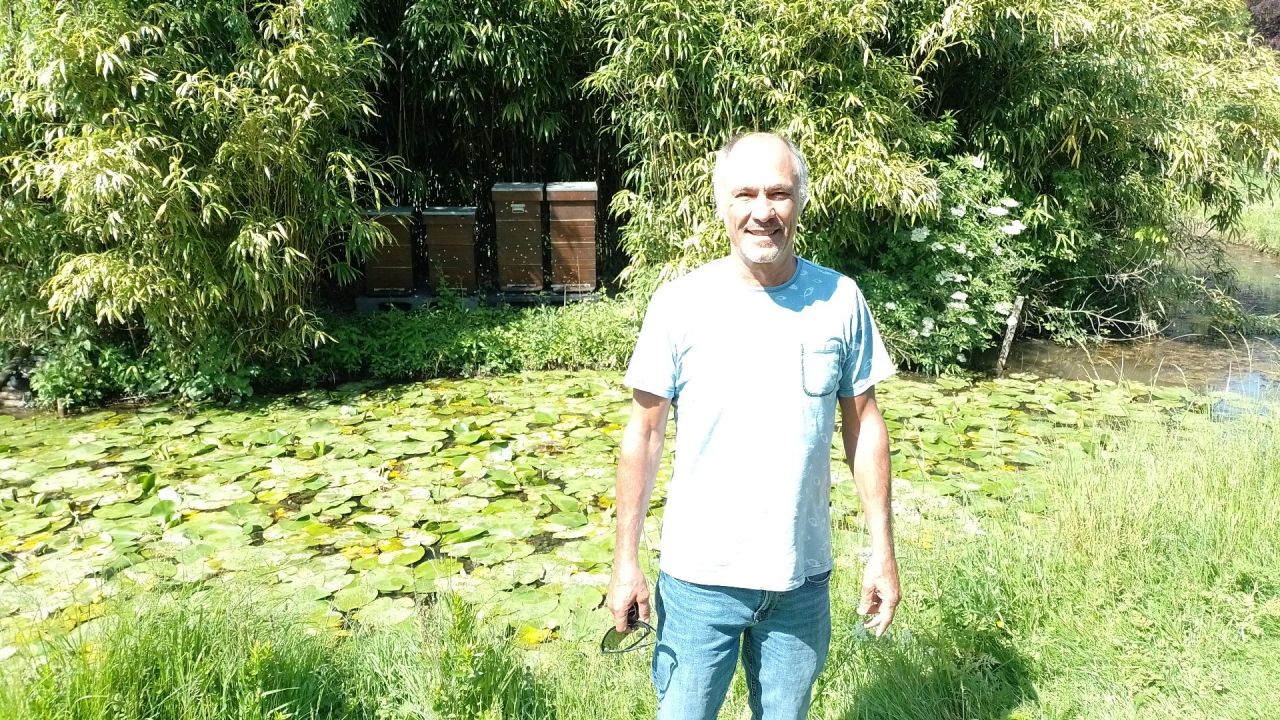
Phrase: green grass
(1149, 589)
(1260, 225)
(1142, 583)
(225, 656)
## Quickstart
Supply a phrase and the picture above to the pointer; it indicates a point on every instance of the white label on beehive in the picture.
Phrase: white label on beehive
(517, 208)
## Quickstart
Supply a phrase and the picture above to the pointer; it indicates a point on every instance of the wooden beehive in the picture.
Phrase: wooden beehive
(517, 209)
(450, 235)
(571, 208)
(389, 270)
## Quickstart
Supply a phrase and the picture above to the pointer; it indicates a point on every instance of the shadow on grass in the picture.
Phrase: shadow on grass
(961, 674)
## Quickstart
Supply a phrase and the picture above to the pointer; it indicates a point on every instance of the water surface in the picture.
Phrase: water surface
(1191, 355)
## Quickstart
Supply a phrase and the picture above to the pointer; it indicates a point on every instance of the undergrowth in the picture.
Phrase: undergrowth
(447, 340)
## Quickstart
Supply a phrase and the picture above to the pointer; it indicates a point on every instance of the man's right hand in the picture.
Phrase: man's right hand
(628, 586)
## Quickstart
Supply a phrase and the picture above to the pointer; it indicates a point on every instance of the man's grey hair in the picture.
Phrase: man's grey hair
(719, 181)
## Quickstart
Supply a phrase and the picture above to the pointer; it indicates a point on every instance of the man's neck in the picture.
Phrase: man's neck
(765, 275)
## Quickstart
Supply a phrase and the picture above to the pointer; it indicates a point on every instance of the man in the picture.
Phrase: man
(755, 350)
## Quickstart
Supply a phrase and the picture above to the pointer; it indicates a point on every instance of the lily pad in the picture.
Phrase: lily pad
(433, 569)
(407, 556)
(530, 605)
(477, 475)
(389, 578)
(386, 612)
(354, 596)
(23, 527)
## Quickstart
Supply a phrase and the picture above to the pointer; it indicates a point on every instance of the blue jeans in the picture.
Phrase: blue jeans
(783, 637)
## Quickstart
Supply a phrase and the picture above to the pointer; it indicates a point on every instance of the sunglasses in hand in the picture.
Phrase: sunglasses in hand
(639, 634)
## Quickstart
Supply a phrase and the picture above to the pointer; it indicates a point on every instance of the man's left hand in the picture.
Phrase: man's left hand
(880, 592)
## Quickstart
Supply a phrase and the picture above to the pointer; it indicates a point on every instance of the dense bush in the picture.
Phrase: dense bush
(493, 91)
(181, 172)
(86, 367)
(1107, 121)
(446, 340)
(680, 78)
(945, 287)
(1113, 120)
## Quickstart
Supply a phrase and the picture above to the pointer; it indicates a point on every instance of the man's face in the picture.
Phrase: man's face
(758, 200)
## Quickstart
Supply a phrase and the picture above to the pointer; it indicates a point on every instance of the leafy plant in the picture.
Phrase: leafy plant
(1113, 121)
(679, 78)
(451, 340)
(947, 286)
(490, 92)
(190, 175)
(478, 675)
(184, 172)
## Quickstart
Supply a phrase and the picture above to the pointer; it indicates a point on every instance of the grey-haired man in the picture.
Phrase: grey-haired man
(756, 351)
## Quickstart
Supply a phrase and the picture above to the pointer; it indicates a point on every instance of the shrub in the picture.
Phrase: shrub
(451, 340)
(944, 288)
(189, 174)
(182, 171)
(85, 368)
(493, 87)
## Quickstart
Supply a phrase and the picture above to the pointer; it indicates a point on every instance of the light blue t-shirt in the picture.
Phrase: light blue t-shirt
(753, 374)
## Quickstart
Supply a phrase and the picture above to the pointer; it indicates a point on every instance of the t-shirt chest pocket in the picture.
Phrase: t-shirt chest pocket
(820, 367)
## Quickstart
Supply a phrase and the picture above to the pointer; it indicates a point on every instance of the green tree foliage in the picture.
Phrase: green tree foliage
(680, 77)
(181, 175)
(1114, 121)
(493, 89)
(182, 171)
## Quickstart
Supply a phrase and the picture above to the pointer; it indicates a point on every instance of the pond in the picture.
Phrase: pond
(1188, 355)
(353, 504)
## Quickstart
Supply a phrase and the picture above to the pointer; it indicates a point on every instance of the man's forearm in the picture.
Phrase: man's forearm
(637, 470)
(869, 461)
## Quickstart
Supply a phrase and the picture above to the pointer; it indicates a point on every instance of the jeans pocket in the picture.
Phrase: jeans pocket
(664, 665)
(820, 368)
(819, 580)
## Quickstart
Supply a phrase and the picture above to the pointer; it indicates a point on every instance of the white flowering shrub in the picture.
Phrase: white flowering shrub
(943, 289)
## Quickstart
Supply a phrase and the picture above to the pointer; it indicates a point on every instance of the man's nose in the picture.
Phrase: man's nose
(762, 208)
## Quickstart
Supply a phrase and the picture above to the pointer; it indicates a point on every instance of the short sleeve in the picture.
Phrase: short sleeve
(653, 363)
(868, 361)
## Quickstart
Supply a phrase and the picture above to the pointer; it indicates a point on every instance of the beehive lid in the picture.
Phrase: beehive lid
(571, 187)
(518, 187)
(388, 210)
(460, 211)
